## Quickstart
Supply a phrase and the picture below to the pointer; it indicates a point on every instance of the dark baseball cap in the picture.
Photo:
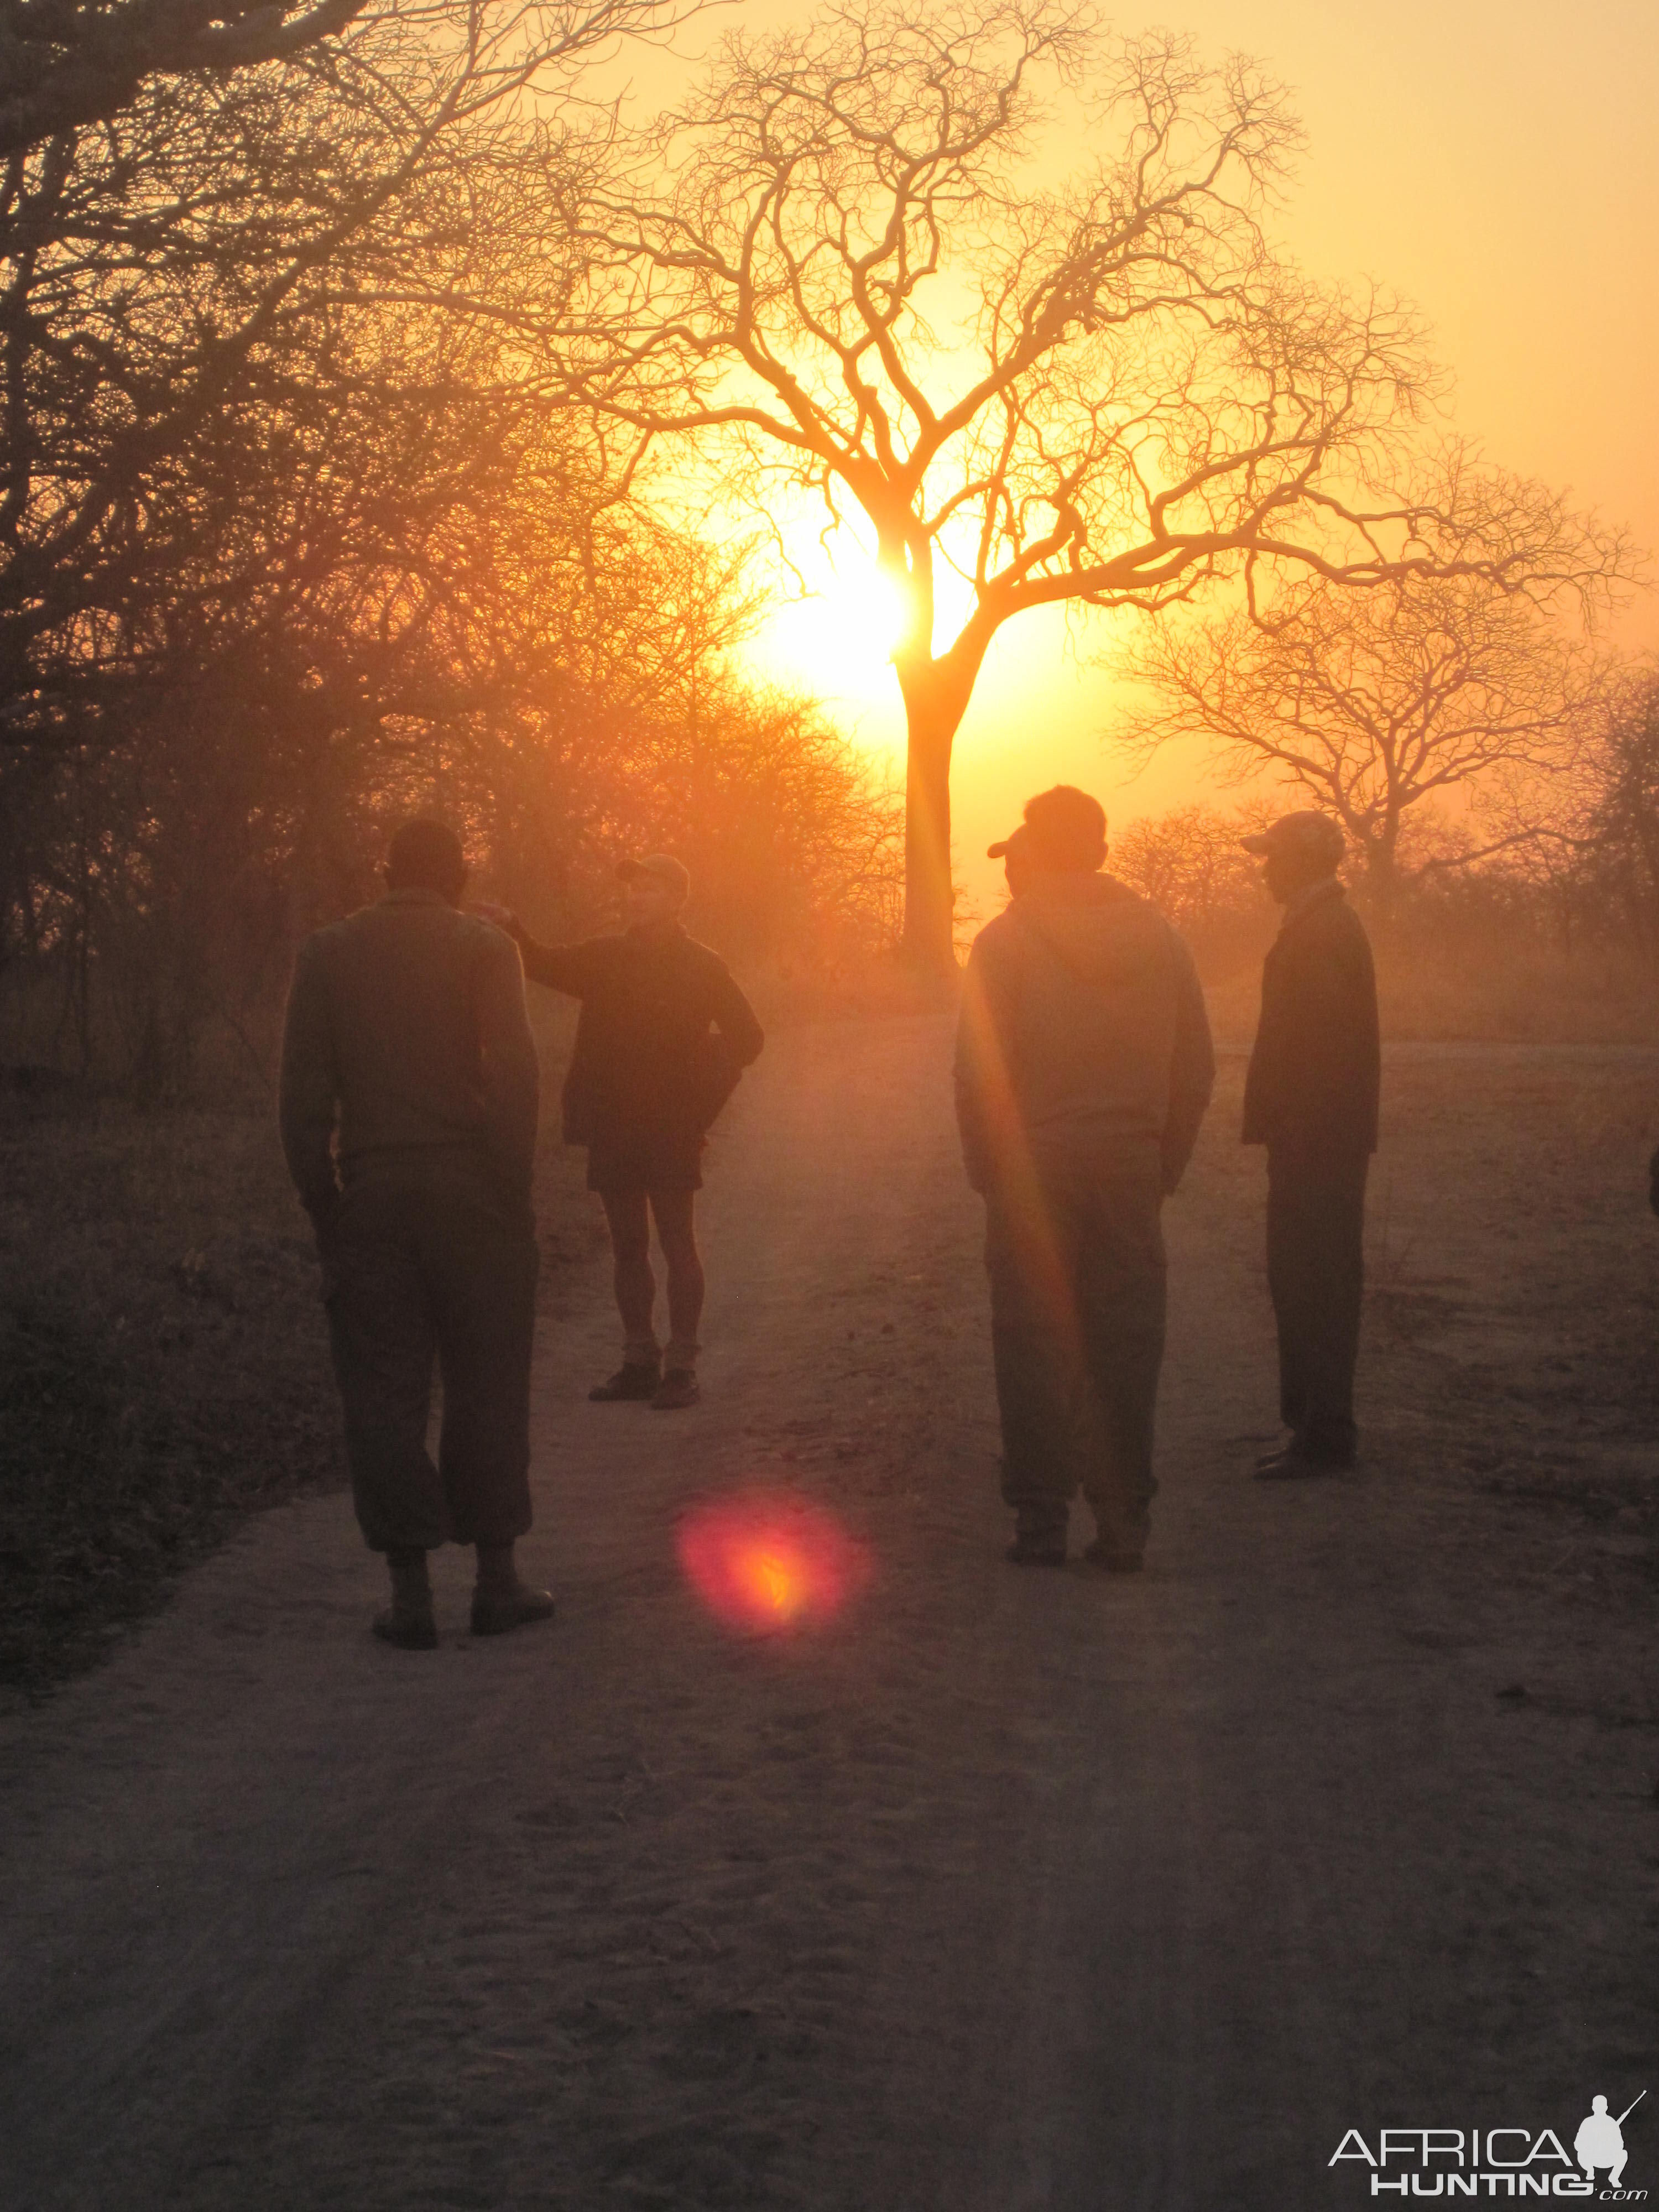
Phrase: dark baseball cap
(1308, 835)
(1016, 841)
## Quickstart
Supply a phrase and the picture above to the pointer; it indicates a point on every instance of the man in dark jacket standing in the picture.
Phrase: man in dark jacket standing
(1083, 1070)
(1310, 1097)
(408, 1110)
(663, 1037)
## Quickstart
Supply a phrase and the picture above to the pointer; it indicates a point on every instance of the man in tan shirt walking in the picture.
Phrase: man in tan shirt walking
(408, 1110)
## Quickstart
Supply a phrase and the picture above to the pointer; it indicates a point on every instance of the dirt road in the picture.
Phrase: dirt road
(1005, 1891)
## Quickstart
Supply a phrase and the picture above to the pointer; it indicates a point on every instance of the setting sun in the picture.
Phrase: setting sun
(841, 637)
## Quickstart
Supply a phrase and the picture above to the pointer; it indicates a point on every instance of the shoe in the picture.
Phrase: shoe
(678, 1388)
(410, 1632)
(495, 1612)
(631, 1380)
(1036, 1551)
(1295, 1463)
(1115, 1562)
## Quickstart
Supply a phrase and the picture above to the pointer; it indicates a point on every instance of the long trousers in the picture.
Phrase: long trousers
(1316, 1277)
(418, 1271)
(1077, 1269)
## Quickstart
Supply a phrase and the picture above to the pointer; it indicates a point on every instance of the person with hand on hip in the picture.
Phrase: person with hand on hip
(663, 1037)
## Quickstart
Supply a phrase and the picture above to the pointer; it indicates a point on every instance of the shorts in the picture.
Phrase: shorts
(645, 1161)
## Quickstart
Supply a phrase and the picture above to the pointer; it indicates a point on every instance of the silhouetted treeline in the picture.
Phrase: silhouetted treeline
(301, 527)
(1540, 908)
(153, 884)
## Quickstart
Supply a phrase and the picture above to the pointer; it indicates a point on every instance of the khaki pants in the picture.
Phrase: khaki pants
(1077, 1272)
(418, 1270)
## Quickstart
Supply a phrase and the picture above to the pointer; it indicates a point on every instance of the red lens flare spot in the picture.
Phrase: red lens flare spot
(769, 1563)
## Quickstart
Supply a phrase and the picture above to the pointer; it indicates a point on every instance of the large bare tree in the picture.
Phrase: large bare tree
(836, 268)
(1375, 703)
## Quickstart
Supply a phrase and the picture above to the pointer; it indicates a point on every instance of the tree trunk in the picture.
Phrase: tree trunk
(929, 894)
(936, 696)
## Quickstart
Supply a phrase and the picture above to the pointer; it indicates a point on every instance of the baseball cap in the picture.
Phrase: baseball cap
(663, 867)
(1308, 835)
(1015, 842)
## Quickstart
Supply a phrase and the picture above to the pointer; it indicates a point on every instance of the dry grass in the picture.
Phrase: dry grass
(165, 1355)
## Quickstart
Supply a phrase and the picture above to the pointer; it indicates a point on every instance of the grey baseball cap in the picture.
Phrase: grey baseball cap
(1308, 835)
(664, 868)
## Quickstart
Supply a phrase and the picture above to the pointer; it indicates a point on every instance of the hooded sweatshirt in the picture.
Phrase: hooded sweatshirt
(1084, 1043)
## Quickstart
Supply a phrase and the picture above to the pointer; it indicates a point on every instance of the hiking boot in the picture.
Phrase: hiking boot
(496, 1611)
(410, 1630)
(408, 1621)
(1113, 1561)
(633, 1379)
(678, 1388)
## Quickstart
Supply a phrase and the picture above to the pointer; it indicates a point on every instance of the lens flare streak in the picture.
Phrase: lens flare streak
(769, 1563)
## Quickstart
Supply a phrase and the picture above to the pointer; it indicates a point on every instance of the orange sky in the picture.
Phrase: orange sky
(1497, 162)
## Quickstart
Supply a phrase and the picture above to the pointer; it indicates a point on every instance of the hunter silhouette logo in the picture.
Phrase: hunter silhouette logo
(1600, 2141)
(1450, 2162)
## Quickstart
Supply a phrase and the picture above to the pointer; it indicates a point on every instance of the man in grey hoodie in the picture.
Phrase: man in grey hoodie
(1083, 1068)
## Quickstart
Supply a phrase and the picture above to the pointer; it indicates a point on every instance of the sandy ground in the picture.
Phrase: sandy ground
(1005, 1891)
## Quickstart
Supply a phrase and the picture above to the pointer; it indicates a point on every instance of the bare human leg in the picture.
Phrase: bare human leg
(677, 1233)
(636, 1286)
(675, 1211)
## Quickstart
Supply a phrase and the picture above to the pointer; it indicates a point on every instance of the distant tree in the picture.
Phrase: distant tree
(1190, 864)
(1375, 704)
(1105, 393)
(560, 682)
(1612, 875)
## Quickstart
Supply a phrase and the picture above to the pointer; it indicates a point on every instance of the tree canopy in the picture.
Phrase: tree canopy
(1377, 703)
(841, 266)
(210, 370)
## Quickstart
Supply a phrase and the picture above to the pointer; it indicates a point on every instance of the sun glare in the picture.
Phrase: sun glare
(842, 636)
(768, 1563)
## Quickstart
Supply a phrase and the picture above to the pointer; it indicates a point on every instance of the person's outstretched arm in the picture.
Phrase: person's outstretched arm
(307, 1089)
(567, 968)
